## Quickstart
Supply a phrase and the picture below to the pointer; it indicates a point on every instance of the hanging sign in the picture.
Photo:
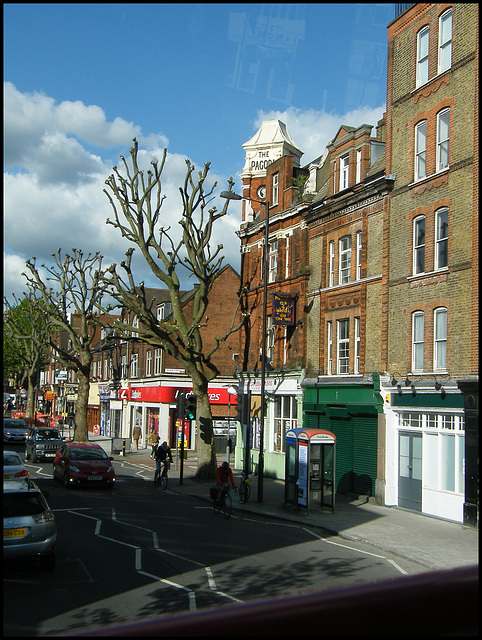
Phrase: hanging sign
(284, 308)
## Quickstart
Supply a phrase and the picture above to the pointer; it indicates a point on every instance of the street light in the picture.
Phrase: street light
(230, 195)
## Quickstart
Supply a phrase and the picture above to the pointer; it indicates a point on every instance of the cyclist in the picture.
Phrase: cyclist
(162, 455)
(224, 476)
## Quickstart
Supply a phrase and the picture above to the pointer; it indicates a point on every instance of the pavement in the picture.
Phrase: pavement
(434, 543)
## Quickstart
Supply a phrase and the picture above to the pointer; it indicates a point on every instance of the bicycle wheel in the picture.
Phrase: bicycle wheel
(244, 492)
(164, 482)
(156, 480)
(227, 505)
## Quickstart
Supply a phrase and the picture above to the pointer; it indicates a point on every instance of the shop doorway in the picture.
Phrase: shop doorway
(410, 471)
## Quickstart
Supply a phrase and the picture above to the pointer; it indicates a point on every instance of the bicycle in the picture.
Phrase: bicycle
(161, 479)
(244, 490)
(226, 503)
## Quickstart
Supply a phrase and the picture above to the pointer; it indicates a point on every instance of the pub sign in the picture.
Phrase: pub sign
(284, 308)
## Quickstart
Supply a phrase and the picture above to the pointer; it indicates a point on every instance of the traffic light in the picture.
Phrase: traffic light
(180, 405)
(242, 409)
(190, 407)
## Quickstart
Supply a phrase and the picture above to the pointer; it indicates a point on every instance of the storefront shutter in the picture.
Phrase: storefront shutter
(365, 431)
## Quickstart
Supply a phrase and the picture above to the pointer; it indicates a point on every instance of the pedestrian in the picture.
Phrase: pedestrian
(153, 440)
(136, 435)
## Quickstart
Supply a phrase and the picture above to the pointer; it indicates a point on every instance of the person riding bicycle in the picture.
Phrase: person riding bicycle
(224, 476)
(163, 453)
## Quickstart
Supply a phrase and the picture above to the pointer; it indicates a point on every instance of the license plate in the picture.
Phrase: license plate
(94, 478)
(14, 533)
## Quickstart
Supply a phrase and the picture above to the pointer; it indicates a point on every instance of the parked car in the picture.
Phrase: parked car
(42, 443)
(14, 430)
(13, 467)
(85, 463)
(29, 528)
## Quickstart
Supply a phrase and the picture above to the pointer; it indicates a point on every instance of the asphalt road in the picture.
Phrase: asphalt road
(136, 552)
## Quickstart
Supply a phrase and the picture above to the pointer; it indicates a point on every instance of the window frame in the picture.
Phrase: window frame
(148, 363)
(441, 242)
(358, 165)
(357, 345)
(343, 346)
(418, 345)
(157, 361)
(329, 340)
(275, 190)
(442, 45)
(331, 267)
(134, 365)
(418, 247)
(358, 255)
(344, 172)
(422, 73)
(438, 340)
(344, 259)
(443, 146)
(420, 154)
(272, 260)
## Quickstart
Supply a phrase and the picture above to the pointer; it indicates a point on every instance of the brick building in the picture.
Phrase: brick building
(432, 269)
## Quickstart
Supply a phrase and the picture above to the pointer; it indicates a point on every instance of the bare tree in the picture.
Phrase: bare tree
(27, 330)
(72, 303)
(137, 203)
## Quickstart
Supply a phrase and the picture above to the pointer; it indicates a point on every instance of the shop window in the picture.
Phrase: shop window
(285, 418)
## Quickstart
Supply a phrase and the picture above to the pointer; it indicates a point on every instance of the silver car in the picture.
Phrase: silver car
(14, 430)
(13, 467)
(29, 529)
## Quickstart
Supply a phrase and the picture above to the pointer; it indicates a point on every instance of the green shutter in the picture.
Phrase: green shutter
(343, 430)
(365, 434)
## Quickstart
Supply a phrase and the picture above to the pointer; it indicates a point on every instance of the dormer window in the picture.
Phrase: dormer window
(344, 167)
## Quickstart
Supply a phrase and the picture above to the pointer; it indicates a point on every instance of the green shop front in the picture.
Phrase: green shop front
(353, 411)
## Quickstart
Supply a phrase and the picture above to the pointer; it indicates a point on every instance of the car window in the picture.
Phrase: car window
(10, 459)
(47, 434)
(23, 504)
(88, 454)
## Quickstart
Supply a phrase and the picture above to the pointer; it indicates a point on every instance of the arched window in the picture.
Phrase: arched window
(421, 150)
(441, 237)
(443, 139)
(445, 41)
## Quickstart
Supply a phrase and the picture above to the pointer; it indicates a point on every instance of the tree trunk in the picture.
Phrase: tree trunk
(81, 431)
(206, 456)
(31, 384)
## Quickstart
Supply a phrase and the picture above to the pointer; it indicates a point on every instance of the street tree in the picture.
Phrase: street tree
(78, 290)
(137, 200)
(27, 330)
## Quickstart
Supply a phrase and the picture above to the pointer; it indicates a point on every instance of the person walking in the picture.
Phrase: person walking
(136, 436)
(153, 440)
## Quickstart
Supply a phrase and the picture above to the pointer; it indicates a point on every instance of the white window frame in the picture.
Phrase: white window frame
(343, 347)
(358, 254)
(157, 361)
(106, 369)
(161, 312)
(443, 139)
(344, 273)
(441, 238)
(331, 275)
(273, 260)
(135, 324)
(329, 367)
(358, 165)
(357, 345)
(285, 410)
(275, 190)
(418, 245)
(134, 365)
(445, 41)
(421, 150)
(440, 339)
(124, 367)
(148, 363)
(344, 172)
(270, 330)
(422, 56)
(418, 324)
(287, 263)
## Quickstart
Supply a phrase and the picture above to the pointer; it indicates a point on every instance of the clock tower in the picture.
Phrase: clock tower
(271, 142)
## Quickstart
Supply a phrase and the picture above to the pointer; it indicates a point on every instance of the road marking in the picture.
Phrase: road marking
(211, 582)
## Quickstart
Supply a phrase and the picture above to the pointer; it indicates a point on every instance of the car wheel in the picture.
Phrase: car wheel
(34, 458)
(54, 475)
(47, 563)
(27, 455)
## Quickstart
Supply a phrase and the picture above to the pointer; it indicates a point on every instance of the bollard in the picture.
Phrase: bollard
(123, 447)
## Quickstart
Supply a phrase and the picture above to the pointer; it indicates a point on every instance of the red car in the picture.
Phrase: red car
(84, 463)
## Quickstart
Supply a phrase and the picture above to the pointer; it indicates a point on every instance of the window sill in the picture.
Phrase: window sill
(428, 274)
(417, 183)
(427, 84)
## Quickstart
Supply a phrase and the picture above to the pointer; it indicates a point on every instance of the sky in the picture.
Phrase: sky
(82, 80)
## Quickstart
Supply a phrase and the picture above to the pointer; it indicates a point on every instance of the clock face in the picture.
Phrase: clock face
(262, 192)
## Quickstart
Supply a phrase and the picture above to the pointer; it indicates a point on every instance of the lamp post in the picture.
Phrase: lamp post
(230, 195)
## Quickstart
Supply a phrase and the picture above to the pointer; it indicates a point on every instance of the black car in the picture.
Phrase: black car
(42, 443)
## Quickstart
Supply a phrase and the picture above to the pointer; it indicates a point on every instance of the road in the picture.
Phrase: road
(136, 552)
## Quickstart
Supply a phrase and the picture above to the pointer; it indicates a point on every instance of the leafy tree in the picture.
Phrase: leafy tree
(72, 302)
(27, 330)
(137, 200)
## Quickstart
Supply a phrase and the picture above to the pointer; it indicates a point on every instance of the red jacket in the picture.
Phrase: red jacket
(223, 476)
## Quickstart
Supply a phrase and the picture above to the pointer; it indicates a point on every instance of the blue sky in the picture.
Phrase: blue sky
(81, 80)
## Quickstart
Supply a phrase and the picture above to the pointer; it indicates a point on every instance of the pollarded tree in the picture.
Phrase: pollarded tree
(137, 200)
(78, 291)
(27, 331)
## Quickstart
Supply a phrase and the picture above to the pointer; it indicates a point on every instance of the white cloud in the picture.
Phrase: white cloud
(312, 130)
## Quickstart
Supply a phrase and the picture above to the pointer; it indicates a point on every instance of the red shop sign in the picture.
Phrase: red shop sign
(169, 395)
